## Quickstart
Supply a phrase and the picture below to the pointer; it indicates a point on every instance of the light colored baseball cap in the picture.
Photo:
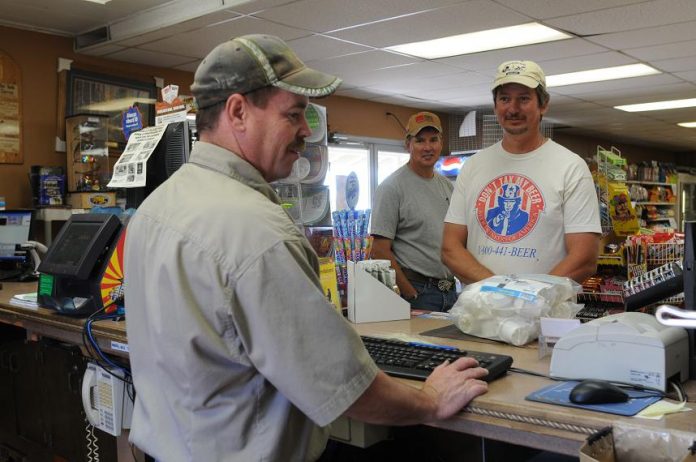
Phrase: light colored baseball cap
(527, 73)
(420, 120)
(252, 62)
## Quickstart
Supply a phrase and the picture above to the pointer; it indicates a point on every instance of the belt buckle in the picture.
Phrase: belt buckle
(444, 285)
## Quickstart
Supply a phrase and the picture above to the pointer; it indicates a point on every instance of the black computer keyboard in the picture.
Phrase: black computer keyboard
(416, 361)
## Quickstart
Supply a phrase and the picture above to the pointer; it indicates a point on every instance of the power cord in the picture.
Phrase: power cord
(403, 127)
(95, 352)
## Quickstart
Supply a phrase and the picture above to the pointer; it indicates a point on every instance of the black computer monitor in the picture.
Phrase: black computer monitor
(16, 228)
(80, 245)
(171, 153)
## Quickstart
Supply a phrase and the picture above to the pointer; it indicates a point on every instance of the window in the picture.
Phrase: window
(372, 160)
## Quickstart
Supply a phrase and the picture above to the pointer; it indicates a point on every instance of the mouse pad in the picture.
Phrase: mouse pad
(559, 393)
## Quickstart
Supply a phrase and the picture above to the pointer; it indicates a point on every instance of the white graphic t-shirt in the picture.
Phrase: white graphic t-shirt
(518, 207)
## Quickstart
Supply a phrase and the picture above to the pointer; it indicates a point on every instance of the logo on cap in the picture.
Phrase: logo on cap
(514, 68)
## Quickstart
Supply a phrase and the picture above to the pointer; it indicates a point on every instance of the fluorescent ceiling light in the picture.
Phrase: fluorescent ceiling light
(687, 124)
(475, 42)
(599, 75)
(101, 2)
(658, 105)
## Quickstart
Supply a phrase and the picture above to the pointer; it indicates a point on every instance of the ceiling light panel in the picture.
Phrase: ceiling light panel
(600, 75)
(475, 42)
(658, 105)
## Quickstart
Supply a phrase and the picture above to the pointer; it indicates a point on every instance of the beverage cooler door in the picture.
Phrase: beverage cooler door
(687, 199)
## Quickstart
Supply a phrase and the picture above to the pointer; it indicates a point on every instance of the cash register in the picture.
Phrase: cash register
(72, 270)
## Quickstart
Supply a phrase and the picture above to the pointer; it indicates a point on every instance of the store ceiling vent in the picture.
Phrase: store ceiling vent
(93, 37)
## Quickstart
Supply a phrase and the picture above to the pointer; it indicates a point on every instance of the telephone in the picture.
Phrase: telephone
(104, 397)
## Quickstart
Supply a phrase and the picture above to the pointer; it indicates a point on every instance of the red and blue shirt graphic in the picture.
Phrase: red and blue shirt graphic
(508, 207)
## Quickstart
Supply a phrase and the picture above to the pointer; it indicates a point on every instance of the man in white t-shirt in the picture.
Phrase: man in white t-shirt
(525, 204)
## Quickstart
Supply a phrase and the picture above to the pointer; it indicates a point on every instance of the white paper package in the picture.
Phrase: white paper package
(508, 307)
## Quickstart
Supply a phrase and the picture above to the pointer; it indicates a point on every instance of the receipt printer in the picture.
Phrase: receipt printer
(628, 347)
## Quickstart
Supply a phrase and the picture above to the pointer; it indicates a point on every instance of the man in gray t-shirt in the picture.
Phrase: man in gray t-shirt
(407, 220)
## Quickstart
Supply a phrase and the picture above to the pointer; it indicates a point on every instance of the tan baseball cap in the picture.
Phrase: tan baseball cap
(251, 62)
(527, 73)
(420, 120)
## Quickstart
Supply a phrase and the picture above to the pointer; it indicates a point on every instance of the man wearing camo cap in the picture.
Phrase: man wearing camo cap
(236, 354)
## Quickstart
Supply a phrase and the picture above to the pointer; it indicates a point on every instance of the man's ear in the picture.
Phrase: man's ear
(236, 110)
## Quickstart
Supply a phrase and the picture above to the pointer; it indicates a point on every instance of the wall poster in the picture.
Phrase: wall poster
(10, 111)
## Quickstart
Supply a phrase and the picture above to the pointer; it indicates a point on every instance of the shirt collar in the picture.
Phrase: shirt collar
(219, 159)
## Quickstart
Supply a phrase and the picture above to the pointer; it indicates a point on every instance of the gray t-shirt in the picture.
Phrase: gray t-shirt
(236, 353)
(410, 210)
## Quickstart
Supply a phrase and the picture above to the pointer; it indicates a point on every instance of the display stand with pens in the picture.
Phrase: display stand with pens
(351, 241)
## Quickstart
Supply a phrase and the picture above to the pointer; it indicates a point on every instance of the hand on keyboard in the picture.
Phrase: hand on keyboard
(453, 385)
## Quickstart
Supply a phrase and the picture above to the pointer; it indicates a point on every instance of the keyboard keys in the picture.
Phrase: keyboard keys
(417, 360)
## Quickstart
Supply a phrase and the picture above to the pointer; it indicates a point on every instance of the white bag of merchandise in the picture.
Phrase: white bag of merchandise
(508, 307)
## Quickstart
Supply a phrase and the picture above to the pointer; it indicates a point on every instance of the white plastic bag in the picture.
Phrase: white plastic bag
(508, 307)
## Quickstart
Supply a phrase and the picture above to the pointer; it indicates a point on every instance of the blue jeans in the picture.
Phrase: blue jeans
(431, 298)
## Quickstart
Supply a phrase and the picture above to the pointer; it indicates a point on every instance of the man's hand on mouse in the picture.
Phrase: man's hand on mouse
(454, 385)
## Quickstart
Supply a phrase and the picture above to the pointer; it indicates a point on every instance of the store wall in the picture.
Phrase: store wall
(37, 57)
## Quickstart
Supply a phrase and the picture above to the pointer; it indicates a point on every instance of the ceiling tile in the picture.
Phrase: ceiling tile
(645, 37)
(469, 16)
(359, 63)
(134, 55)
(544, 9)
(628, 17)
(458, 80)
(320, 15)
(670, 50)
(183, 27)
(581, 63)
(638, 83)
(199, 42)
(322, 47)
(488, 62)
(686, 63)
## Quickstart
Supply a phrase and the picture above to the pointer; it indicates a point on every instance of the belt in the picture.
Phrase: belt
(443, 285)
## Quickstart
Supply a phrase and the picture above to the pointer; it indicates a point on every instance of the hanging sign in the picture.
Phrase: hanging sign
(10, 111)
(132, 121)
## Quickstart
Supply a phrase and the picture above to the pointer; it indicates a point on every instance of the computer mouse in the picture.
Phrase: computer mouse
(597, 392)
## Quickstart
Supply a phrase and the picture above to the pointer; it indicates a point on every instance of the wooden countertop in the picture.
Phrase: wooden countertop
(502, 413)
(49, 323)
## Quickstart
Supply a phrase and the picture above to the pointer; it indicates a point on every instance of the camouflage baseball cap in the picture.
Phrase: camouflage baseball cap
(251, 62)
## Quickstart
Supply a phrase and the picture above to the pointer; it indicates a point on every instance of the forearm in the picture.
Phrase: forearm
(575, 268)
(581, 259)
(449, 388)
(389, 402)
(463, 265)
